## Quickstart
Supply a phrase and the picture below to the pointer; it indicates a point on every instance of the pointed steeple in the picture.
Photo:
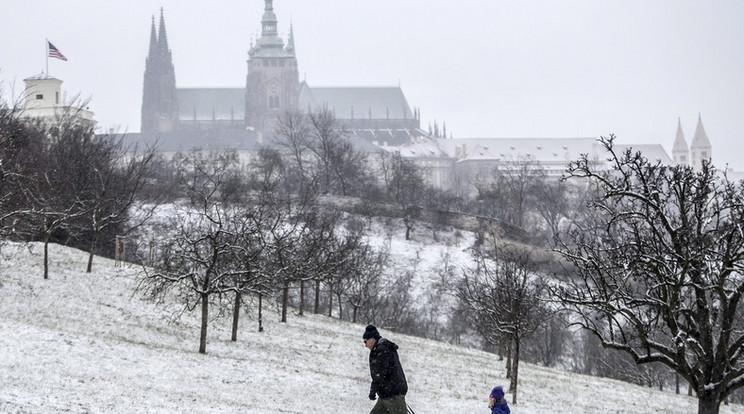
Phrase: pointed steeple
(680, 151)
(701, 138)
(290, 42)
(162, 36)
(700, 149)
(153, 40)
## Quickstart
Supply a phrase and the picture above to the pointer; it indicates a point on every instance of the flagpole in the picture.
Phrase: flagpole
(47, 57)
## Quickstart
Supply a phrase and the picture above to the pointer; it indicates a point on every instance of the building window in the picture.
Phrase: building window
(39, 96)
(273, 102)
(704, 154)
(56, 98)
(683, 158)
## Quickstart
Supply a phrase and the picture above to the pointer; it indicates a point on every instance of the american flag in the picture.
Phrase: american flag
(54, 52)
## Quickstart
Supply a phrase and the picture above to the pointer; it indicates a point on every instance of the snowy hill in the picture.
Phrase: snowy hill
(84, 343)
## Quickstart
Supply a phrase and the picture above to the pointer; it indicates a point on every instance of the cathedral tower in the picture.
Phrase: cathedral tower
(273, 81)
(700, 149)
(159, 101)
(680, 151)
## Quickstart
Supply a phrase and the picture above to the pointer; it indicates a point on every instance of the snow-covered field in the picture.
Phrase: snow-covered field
(84, 343)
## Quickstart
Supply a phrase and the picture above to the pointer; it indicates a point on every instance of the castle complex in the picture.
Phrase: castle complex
(376, 118)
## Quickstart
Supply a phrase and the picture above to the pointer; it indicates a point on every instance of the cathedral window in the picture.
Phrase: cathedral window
(39, 96)
(273, 102)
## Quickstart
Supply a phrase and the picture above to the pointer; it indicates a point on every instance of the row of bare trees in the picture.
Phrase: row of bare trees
(257, 229)
(60, 182)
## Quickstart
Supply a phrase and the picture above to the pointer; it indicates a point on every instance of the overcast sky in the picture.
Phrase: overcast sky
(486, 68)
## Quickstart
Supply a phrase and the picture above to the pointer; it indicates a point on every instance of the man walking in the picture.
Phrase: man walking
(388, 379)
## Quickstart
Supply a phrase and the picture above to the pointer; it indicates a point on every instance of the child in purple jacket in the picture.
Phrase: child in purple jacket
(497, 403)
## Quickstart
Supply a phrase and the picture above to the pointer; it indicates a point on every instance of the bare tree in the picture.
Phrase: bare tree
(660, 269)
(22, 150)
(338, 163)
(292, 136)
(198, 260)
(364, 283)
(405, 185)
(320, 153)
(510, 195)
(504, 293)
(114, 190)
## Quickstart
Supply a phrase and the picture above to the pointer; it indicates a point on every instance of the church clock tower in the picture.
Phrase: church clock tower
(273, 81)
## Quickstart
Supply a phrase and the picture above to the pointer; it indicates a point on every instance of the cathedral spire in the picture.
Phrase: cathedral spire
(700, 139)
(153, 40)
(290, 42)
(162, 36)
(680, 151)
(700, 148)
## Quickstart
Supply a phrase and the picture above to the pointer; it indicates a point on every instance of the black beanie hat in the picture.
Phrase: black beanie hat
(371, 332)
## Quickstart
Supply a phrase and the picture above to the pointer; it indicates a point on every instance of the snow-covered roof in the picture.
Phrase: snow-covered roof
(420, 148)
(543, 150)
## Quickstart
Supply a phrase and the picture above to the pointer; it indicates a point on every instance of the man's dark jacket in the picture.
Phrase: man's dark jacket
(388, 379)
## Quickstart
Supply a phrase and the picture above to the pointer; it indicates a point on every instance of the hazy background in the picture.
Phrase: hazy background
(486, 68)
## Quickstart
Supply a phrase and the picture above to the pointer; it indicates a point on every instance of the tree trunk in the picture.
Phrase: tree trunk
(330, 300)
(317, 297)
(92, 250)
(354, 317)
(340, 307)
(509, 359)
(502, 345)
(236, 316)
(302, 297)
(676, 383)
(46, 256)
(709, 403)
(515, 370)
(204, 322)
(285, 301)
(260, 312)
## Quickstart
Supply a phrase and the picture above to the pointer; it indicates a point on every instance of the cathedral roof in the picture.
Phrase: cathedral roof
(357, 102)
(203, 104)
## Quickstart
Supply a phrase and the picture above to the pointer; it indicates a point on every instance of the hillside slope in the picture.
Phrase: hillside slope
(84, 343)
